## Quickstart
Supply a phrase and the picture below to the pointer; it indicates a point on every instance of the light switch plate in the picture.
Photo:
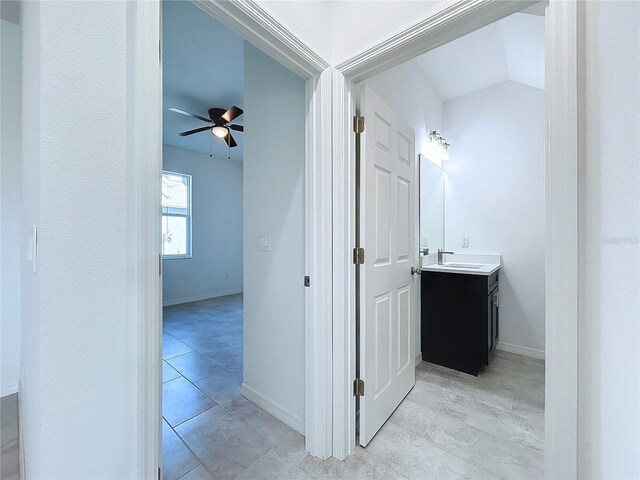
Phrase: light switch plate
(264, 241)
(464, 242)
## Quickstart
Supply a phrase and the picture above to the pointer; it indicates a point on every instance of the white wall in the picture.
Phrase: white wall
(309, 20)
(494, 195)
(274, 353)
(359, 25)
(10, 201)
(409, 92)
(215, 267)
(79, 334)
(609, 329)
(338, 29)
(406, 89)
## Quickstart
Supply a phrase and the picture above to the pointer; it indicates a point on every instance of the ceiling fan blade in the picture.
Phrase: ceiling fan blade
(232, 113)
(195, 130)
(189, 114)
(230, 141)
(238, 128)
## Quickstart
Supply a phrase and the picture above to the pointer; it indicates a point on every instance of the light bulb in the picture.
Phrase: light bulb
(220, 132)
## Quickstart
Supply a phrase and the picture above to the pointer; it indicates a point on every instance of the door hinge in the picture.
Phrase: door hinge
(358, 256)
(159, 474)
(160, 51)
(358, 388)
(307, 281)
(358, 124)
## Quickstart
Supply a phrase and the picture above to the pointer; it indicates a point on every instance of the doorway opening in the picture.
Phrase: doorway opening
(233, 244)
(472, 322)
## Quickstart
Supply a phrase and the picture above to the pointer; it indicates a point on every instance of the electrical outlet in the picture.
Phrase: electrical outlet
(464, 243)
(424, 243)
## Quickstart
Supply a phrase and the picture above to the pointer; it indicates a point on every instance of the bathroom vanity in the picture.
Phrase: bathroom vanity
(460, 312)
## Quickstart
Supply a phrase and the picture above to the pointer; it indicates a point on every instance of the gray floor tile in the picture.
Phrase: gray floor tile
(273, 466)
(9, 441)
(415, 416)
(168, 372)
(172, 347)
(198, 473)
(203, 342)
(529, 406)
(222, 385)
(516, 381)
(359, 465)
(416, 458)
(194, 365)
(181, 401)
(177, 460)
(501, 456)
(422, 369)
(9, 418)
(225, 445)
(228, 357)
(471, 388)
(282, 438)
(527, 431)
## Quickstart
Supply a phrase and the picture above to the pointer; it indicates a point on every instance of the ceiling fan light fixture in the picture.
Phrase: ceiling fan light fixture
(219, 131)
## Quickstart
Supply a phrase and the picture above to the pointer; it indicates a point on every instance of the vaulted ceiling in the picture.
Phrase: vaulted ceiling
(203, 67)
(510, 49)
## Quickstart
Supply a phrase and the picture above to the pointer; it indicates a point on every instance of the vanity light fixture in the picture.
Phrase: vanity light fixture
(438, 148)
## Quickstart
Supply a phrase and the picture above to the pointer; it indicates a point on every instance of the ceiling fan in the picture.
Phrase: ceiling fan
(218, 123)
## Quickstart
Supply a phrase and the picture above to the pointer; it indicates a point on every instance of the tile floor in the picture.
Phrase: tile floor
(451, 425)
(9, 452)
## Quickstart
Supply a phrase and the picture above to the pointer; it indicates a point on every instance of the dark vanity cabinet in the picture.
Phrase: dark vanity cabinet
(459, 319)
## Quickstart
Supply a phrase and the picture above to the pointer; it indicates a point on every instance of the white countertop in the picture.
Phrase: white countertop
(468, 264)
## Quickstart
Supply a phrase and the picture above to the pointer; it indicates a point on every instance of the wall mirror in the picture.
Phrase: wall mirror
(431, 206)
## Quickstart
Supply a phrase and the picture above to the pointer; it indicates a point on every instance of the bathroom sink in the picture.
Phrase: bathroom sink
(464, 265)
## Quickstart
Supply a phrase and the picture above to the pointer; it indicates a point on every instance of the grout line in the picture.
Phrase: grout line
(463, 458)
(494, 435)
(225, 409)
(268, 451)
(193, 469)
(200, 462)
(193, 416)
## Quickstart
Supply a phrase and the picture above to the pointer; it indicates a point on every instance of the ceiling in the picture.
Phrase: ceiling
(203, 67)
(510, 49)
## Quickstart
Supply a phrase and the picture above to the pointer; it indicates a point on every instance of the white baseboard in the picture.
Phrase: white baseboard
(9, 389)
(197, 298)
(525, 351)
(418, 359)
(281, 413)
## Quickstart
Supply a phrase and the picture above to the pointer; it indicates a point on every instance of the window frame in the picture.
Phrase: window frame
(188, 216)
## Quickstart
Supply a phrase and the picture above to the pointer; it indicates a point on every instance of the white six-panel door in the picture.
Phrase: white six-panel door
(387, 288)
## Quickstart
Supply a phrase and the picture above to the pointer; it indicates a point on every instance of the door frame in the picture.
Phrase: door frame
(563, 88)
(255, 25)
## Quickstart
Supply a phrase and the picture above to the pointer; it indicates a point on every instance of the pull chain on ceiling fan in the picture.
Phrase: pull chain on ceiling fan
(218, 123)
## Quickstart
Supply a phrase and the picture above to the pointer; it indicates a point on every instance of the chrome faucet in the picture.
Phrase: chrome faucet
(441, 255)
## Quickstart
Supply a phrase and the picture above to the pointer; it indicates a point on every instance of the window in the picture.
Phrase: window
(176, 215)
